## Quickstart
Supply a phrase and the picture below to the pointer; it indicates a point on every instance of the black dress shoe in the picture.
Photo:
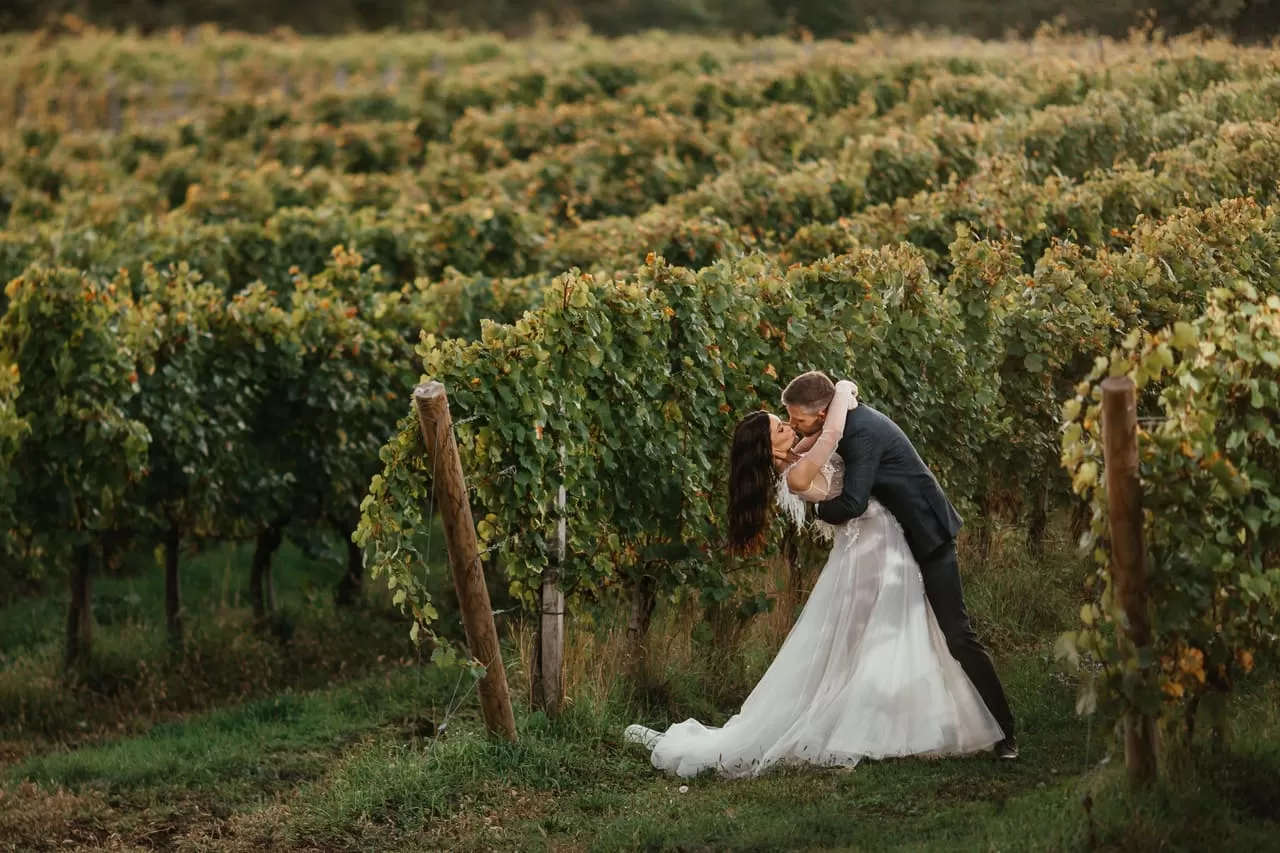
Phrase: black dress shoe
(1007, 749)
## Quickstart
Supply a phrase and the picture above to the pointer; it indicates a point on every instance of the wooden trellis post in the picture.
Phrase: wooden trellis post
(450, 491)
(1128, 554)
(548, 660)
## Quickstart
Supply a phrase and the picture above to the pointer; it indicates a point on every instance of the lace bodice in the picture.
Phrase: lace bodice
(827, 483)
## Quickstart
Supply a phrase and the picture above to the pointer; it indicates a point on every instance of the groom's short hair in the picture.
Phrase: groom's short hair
(810, 391)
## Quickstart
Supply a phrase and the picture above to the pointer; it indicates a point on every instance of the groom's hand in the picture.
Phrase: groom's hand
(832, 511)
(839, 509)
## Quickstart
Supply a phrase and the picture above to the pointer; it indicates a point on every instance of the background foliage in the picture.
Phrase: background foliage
(1252, 19)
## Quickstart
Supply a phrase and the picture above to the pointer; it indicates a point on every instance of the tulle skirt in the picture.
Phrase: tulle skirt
(864, 673)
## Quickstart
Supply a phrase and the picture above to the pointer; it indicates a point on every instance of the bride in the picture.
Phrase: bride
(865, 671)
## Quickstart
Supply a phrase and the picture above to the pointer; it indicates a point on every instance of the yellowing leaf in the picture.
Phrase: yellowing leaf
(1184, 335)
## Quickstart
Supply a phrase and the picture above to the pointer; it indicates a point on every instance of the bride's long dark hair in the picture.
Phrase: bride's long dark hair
(751, 481)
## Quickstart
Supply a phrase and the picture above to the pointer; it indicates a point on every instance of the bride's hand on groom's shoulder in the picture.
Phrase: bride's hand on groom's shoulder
(852, 388)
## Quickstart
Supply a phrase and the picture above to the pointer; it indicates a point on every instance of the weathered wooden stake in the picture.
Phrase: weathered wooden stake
(464, 555)
(549, 668)
(1128, 554)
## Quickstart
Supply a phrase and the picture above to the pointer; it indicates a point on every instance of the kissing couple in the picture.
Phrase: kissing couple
(882, 661)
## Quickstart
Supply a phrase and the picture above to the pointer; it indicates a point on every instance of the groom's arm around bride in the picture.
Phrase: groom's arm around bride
(881, 462)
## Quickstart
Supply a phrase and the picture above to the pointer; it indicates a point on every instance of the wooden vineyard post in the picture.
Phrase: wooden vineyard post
(548, 666)
(450, 491)
(1128, 554)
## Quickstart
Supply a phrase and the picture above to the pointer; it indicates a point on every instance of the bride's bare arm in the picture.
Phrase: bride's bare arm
(801, 475)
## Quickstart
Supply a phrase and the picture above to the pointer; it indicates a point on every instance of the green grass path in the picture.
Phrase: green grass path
(361, 767)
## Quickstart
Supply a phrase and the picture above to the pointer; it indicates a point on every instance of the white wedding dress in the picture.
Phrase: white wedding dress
(864, 673)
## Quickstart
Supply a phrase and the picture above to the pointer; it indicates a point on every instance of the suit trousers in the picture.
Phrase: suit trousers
(941, 573)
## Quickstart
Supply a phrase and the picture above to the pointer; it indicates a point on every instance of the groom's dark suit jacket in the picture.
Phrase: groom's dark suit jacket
(880, 462)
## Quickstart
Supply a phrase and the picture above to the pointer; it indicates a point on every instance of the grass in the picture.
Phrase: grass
(585, 784)
(134, 679)
(284, 737)
(395, 760)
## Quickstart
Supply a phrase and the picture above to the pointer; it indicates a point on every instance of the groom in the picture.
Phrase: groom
(881, 462)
